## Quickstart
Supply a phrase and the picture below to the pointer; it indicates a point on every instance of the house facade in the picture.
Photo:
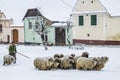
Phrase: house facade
(93, 24)
(8, 32)
(34, 20)
(56, 33)
(61, 32)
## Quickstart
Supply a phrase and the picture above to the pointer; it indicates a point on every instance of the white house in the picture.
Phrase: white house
(8, 32)
(93, 24)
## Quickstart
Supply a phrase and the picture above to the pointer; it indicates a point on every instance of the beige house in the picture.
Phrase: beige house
(93, 24)
(8, 32)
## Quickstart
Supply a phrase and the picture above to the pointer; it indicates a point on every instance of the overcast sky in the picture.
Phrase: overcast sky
(52, 9)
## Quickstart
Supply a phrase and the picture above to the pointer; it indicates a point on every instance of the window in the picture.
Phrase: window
(81, 21)
(91, 1)
(93, 20)
(88, 34)
(37, 25)
(30, 25)
(0, 27)
(83, 2)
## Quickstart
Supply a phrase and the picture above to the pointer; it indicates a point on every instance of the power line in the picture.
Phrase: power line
(66, 4)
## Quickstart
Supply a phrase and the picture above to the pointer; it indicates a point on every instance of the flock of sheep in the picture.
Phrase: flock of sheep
(60, 61)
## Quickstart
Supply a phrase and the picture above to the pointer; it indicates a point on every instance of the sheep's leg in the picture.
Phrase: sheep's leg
(4, 63)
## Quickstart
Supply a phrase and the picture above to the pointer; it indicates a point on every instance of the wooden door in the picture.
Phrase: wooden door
(15, 35)
(60, 36)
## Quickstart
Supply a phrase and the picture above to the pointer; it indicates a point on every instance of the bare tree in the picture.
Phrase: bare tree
(41, 29)
(69, 25)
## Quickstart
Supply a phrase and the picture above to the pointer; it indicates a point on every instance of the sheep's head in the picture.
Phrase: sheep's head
(61, 56)
(85, 54)
(12, 59)
(56, 56)
(105, 59)
(73, 55)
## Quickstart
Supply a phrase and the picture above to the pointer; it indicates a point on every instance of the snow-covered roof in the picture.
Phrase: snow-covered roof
(85, 12)
(59, 24)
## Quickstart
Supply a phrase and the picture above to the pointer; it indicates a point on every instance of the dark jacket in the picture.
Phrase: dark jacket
(12, 49)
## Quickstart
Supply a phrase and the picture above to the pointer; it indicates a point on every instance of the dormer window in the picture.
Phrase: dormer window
(91, 1)
(83, 2)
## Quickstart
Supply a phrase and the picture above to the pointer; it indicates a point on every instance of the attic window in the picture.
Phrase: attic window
(83, 2)
(91, 1)
(88, 35)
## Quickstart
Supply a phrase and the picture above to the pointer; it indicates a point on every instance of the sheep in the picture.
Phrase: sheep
(85, 63)
(100, 63)
(66, 63)
(8, 59)
(56, 63)
(43, 63)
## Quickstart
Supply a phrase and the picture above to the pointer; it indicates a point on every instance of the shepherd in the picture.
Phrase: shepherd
(13, 50)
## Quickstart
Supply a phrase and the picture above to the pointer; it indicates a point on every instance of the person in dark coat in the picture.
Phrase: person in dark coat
(12, 50)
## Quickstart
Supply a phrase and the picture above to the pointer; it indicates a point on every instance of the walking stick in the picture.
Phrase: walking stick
(23, 55)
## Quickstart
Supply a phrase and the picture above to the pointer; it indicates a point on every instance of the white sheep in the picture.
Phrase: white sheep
(66, 63)
(43, 63)
(56, 63)
(8, 59)
(85, 63)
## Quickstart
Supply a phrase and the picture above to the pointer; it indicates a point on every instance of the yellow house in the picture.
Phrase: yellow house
(9, 32)
(93, 24)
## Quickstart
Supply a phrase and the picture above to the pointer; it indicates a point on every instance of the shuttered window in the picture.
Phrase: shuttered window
(93, 19)
(81, 20)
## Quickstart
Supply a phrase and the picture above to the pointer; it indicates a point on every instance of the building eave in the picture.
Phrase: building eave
(91, 12)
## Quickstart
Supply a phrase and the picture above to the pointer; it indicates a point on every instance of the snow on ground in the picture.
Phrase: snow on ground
(24, 68)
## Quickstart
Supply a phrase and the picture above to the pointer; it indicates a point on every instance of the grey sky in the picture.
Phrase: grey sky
(52, 9)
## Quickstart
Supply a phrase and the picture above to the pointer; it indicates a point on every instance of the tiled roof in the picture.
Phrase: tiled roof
(32, 12)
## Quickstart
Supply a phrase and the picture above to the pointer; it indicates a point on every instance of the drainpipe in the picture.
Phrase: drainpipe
(104, 28)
